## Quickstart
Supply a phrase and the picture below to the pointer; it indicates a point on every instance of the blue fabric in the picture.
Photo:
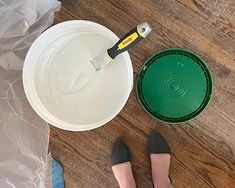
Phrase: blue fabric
(57, 175)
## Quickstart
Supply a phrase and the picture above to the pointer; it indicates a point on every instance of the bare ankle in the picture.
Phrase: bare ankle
(162, 182)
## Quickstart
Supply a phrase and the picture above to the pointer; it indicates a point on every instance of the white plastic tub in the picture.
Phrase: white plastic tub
(56, 56)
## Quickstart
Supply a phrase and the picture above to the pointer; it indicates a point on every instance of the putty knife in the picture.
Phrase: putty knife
(102, 60)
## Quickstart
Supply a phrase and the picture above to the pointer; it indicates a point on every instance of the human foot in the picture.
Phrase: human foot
(159, 152)
(121, 165)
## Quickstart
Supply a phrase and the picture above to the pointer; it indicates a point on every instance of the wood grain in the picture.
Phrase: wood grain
(202, 149)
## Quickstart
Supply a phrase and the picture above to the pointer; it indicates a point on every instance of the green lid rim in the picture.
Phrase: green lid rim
(206, 71)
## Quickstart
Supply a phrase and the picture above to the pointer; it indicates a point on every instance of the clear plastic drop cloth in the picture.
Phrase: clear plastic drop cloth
(24, 137)
(21, 21)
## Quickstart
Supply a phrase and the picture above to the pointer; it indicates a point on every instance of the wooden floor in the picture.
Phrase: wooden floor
(203, 150)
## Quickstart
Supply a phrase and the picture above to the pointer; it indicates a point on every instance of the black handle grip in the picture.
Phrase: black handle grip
(125, 43)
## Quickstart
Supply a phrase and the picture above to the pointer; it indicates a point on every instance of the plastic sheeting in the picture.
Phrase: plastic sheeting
(24, 137)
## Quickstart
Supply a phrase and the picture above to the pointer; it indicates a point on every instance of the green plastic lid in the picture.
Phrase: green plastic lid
(174, 85)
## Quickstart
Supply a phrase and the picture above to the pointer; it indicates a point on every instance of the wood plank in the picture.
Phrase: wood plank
(202, 149)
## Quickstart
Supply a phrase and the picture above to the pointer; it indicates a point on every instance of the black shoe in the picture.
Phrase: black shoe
(157, 144)
(120, 153)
